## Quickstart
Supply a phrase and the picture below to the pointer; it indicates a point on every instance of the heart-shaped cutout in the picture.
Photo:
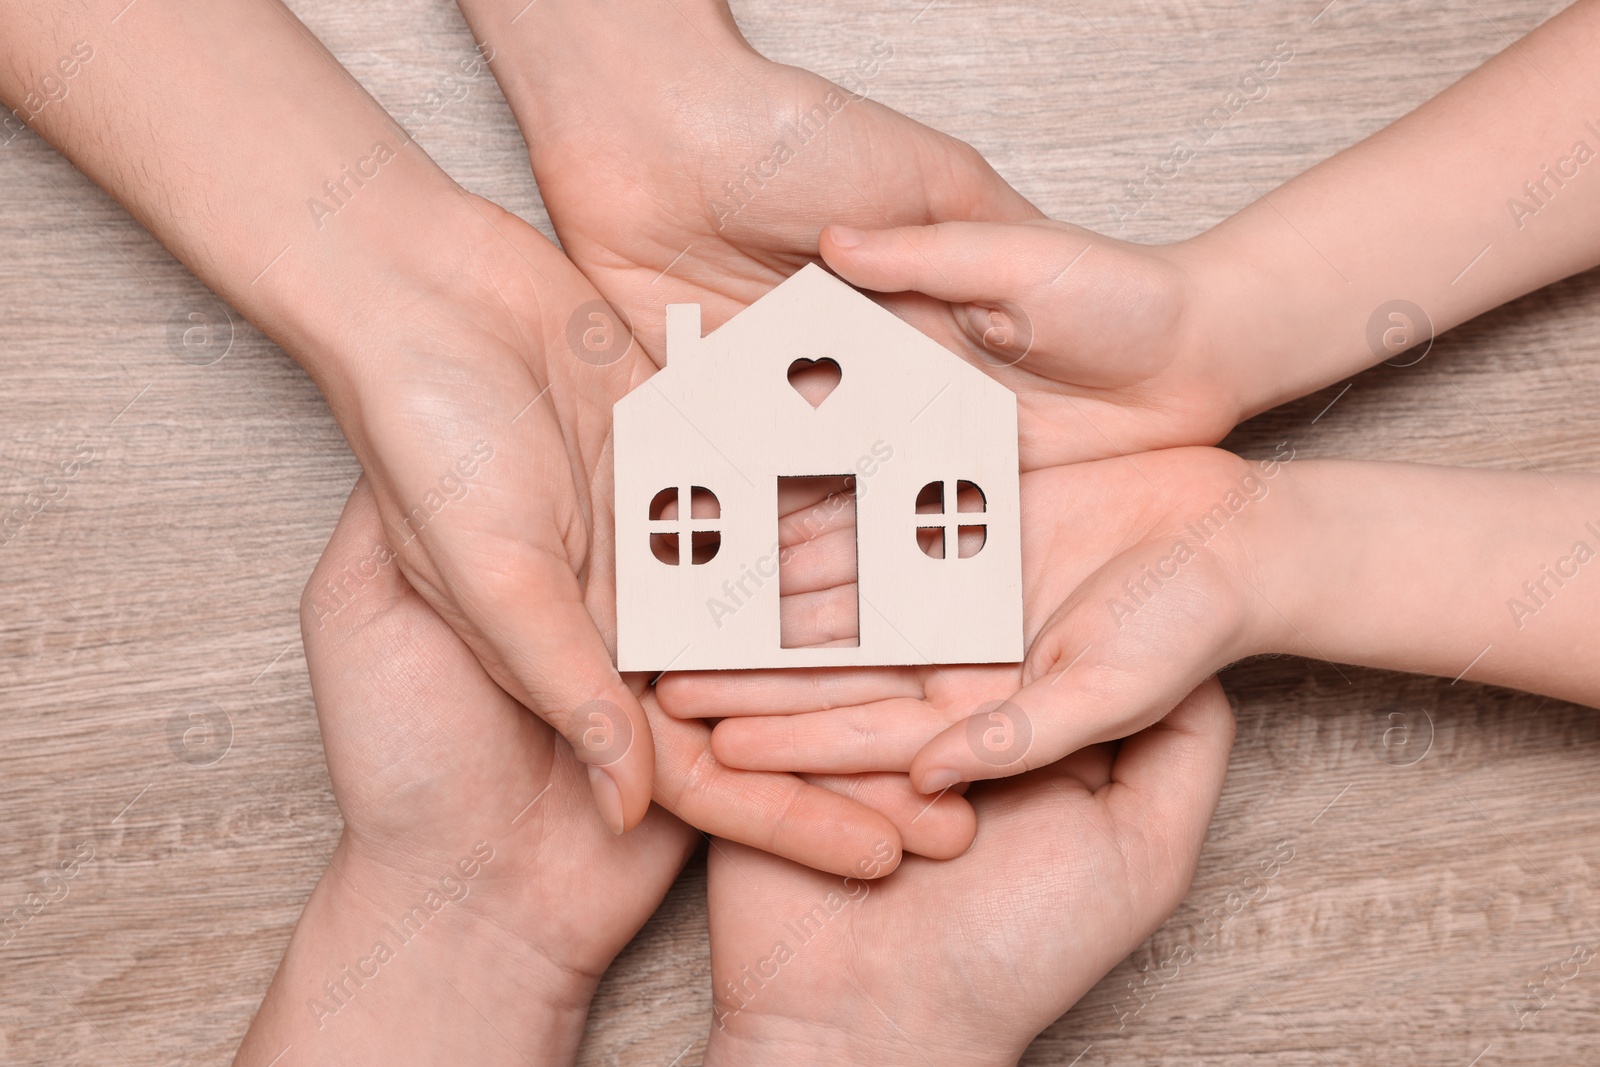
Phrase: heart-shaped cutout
(815, 379)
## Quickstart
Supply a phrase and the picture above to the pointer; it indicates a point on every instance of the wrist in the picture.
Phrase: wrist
(390, 967)
(1229, 337)
(1271, 317)
(561, 66)
(1273, 555)
(337, 294)
(407, 300)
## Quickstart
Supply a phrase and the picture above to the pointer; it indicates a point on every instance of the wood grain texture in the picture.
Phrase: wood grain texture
(1420, 899)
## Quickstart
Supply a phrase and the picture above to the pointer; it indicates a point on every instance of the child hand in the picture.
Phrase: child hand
(1103, 341)
(1143, 575)
(1125, 347)
(1103, 662)
(852, 825)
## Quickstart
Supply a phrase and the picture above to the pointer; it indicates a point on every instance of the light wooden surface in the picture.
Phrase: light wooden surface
(1420, 899)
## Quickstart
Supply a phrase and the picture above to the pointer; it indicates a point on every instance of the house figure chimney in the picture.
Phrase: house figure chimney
(683, 331)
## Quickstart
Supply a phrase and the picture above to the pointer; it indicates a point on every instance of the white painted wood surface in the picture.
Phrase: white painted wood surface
(722, 415)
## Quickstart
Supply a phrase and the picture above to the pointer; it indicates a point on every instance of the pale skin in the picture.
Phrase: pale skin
(433, 765)
(1121, 347)
(428, 318)
(433, 322)
(436, 326)
(1127, 347)
(1145, 575)
(465, 324)
(449, 788)
(963, 962)
(481, 325)
(639, 116)
(456, 801)
(782, 1020)
(1188, 382)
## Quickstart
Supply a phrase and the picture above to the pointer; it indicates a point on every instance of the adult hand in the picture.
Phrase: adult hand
(965, 961)
(475, 897)
(434, 323)
(459, 803)
(486, 437)
(513, 549)
(678, 165)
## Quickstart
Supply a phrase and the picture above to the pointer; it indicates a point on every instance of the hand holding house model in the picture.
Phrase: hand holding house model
(703, 447)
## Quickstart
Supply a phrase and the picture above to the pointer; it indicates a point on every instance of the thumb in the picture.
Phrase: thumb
(1104, 667)
(1081, 308)
(1165, 784)
(960, 262)
(548, 654)
(1171, 774)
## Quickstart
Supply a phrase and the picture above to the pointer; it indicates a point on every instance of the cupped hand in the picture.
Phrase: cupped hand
(965, 961)
(474, 882)
(680, 166)
(485, 434)
(1136, 587)
(855, 824)
(1105, 343)
(512, 549)
(427, 755)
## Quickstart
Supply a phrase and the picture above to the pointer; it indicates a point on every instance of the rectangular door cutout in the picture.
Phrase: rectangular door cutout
(817, 561)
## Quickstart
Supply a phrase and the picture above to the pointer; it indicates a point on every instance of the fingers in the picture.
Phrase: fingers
(1101, 670)
(811, 507)
(882, 736)
(940, 827)
(776, 813)
(817, 565)
(961, 262)
(358, 580)
(1166, 782)
(997, 276)
(534, 620)
(821, 619)
(800, 494)
(1174, 769)
(720, 694)
(825, 562)
(1080, 308)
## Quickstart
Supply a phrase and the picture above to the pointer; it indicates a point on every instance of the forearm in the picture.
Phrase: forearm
(363, 981)
(1482, 574)
(1488, 191)
(244, 147)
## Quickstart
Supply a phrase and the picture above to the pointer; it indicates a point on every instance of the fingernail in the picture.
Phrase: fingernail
(939, 779)
(845, 237)
(607, 797)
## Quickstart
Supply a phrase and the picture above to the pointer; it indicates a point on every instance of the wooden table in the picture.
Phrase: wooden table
(1421, 898)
